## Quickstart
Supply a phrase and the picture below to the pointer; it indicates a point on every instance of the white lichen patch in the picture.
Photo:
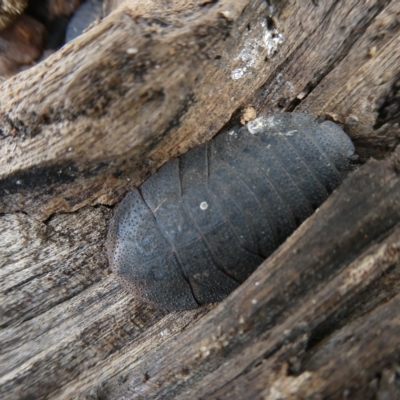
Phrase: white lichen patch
(249, 53)
(248, 56)
(272, 39)
(238, 73)
(253, 50)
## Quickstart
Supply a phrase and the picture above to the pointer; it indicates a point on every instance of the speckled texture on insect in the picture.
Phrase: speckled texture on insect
(204, 222)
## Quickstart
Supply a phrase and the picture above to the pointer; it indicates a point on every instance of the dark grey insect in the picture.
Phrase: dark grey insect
(202, 224)
(87, 13)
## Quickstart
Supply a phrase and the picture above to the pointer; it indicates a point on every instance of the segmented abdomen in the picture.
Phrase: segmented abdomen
(202, 224)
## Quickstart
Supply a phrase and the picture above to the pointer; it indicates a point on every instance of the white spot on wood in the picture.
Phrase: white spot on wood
(361, 271)
(164, 332)
(272, 40)
(284, 386)
(253, 51)
(302, 95)
(227, 14)
(254, 301)
(250, 53)
(131, 50)
(204, 351)
(203, 205)
(238, 73)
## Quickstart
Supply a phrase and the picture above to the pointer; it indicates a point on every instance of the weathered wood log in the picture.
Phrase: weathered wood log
(93, 120)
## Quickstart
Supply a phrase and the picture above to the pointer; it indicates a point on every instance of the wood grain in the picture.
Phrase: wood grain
(95, 118)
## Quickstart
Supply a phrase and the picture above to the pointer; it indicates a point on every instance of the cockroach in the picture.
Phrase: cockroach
(199, 226)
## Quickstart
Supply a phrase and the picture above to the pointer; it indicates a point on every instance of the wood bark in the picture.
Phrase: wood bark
(317, 320)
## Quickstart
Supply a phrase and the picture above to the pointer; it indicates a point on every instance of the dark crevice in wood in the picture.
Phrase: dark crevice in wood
(389, 111)
(359, 306)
